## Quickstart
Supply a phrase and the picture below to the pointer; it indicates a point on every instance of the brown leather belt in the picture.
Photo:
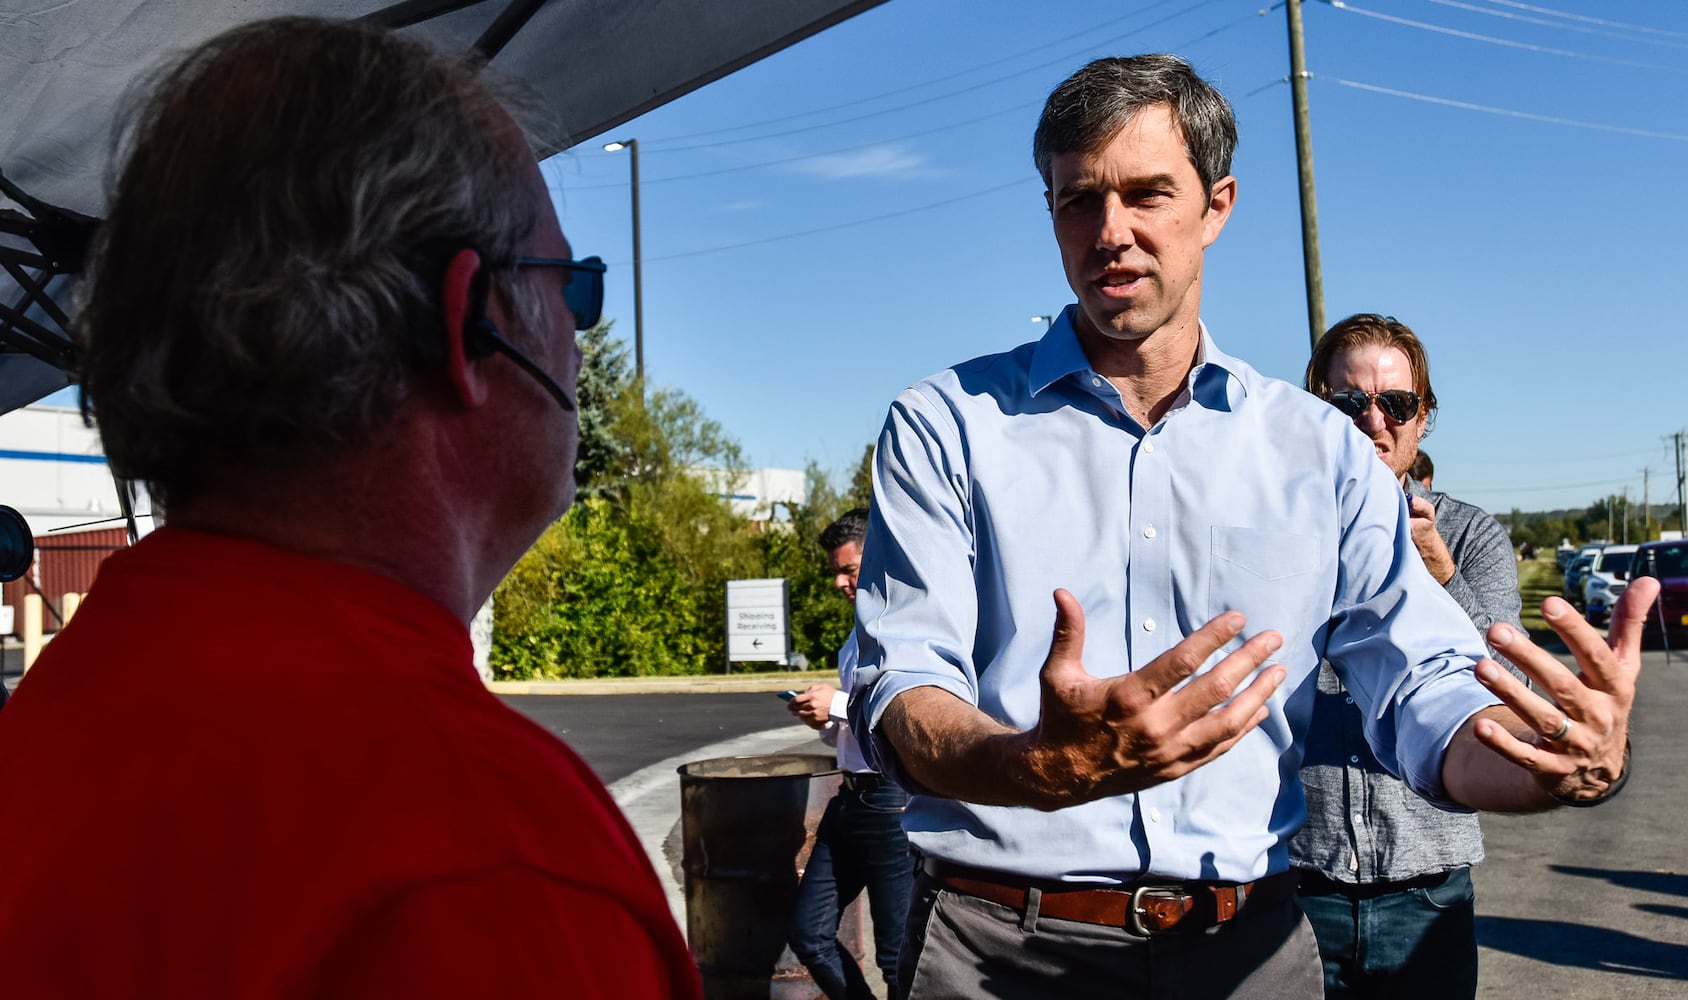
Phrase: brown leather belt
(1143, 908)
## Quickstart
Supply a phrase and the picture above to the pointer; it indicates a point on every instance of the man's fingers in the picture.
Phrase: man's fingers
(1066, 645)
(1533, 757)
(1538, 664)
(1167, 670)
(1623, 634)
(1540, 714)
(1200, 701)
(1603, 667)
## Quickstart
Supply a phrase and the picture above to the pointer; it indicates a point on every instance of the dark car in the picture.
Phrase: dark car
(1668, 618)
(1576, 574)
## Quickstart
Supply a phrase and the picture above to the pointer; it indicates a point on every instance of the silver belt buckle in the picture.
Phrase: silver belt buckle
(1134, 910)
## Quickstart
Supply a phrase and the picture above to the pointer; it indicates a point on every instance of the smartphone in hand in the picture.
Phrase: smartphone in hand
(787, 695)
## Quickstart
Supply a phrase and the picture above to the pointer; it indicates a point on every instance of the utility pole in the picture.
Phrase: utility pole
(1304, 169)
(1646, 504)
(1681, 495)
(632, 147)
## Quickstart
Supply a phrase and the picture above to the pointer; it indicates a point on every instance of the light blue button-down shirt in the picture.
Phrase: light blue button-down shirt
(1008, 476)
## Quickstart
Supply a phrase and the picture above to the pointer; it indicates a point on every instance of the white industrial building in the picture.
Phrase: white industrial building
(53, 472)
(757, 495)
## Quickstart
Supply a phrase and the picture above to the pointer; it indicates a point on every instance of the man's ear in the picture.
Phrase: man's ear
(459, 312)
(1219, 205)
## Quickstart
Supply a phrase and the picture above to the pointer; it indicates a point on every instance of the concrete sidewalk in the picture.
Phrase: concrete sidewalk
(692, 684)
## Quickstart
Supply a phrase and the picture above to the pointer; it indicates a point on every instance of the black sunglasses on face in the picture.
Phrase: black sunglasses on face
(1399, 405)
(583, 292)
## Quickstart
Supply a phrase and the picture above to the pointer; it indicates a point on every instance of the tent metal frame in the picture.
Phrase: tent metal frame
(56, 243)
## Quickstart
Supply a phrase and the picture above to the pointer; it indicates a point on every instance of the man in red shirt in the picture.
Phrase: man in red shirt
(330, 321)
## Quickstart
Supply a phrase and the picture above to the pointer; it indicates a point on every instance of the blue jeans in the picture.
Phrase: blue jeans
(1413, 942)
(860, 845)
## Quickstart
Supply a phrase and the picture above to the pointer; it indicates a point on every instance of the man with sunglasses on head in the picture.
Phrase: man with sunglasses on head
(1386, 875)
(330, 321)
(1100, 574)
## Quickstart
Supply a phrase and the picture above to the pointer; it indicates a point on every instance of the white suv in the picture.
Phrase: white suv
(1607, 578)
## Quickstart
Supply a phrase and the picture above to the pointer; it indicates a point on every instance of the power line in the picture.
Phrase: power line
(1507, 42)
(926, 83)
(1507, 112)
(923, 133)
(843, 225)
(1062, 60)
(1515, 5)
(1543, 22)
(919, 134)
(1559, 459)
(1603, 483)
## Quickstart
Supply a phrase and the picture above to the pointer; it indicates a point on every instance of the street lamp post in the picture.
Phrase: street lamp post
(1047, 321)
(632, 147)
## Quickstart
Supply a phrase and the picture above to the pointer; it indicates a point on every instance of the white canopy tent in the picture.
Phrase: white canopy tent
(66, 64)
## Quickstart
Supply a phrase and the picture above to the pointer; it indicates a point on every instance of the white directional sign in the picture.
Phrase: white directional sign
(757, 615)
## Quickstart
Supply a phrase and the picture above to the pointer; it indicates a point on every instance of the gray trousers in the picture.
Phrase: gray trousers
(960, 946)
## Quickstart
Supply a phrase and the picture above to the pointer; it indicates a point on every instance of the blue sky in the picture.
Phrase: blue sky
(828, 225)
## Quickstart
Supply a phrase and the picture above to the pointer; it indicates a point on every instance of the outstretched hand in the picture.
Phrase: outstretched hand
(1098, 737)
(1575, 743)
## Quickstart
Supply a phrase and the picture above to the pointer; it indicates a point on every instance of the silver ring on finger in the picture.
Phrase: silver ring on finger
(1563, 731)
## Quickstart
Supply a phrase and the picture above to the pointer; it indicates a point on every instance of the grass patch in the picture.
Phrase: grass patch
(1539, 579)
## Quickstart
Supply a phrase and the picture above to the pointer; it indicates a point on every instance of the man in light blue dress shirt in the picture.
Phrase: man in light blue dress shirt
(1110, 809)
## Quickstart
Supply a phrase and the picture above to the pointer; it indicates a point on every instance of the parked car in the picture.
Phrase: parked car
(1576, 575)
(1607, 578)
(1668, 618)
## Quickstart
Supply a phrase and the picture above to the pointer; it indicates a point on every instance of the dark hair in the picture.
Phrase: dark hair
(264, 287)
(1423, 468)
(851, 526)
(1091, 106)
(1371, 330)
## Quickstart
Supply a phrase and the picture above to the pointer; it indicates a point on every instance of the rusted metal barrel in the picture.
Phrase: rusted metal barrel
(748, 825)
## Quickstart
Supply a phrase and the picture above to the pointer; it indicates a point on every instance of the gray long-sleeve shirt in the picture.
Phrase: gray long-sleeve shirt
(1363, 825)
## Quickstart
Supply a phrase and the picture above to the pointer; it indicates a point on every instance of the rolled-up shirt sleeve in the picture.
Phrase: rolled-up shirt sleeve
(1402, 645)
(919, 545)
(1485, 580)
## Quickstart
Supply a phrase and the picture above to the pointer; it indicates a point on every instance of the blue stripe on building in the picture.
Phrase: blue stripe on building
(51, 456)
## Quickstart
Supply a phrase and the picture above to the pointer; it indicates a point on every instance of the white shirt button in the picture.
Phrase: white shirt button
(1154, 815)
(1354, 760)
(1096, 382)
(1148, 447)
(1148, 624)
(1148, 531)
(1359, 820)
(1349, 699)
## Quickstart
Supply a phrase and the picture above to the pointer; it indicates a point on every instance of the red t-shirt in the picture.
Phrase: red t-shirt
(243, 772)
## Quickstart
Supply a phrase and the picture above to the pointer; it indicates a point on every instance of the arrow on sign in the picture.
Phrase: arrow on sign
(756, 643)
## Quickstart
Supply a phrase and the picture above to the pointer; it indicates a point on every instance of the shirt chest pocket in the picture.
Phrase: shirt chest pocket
(1270, 576)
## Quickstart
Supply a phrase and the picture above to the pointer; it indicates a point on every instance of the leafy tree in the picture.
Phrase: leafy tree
(633, 579)
(820, 617)
(604, 376)
(861, 482)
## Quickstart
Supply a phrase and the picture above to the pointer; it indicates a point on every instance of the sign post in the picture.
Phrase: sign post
(757, 615)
